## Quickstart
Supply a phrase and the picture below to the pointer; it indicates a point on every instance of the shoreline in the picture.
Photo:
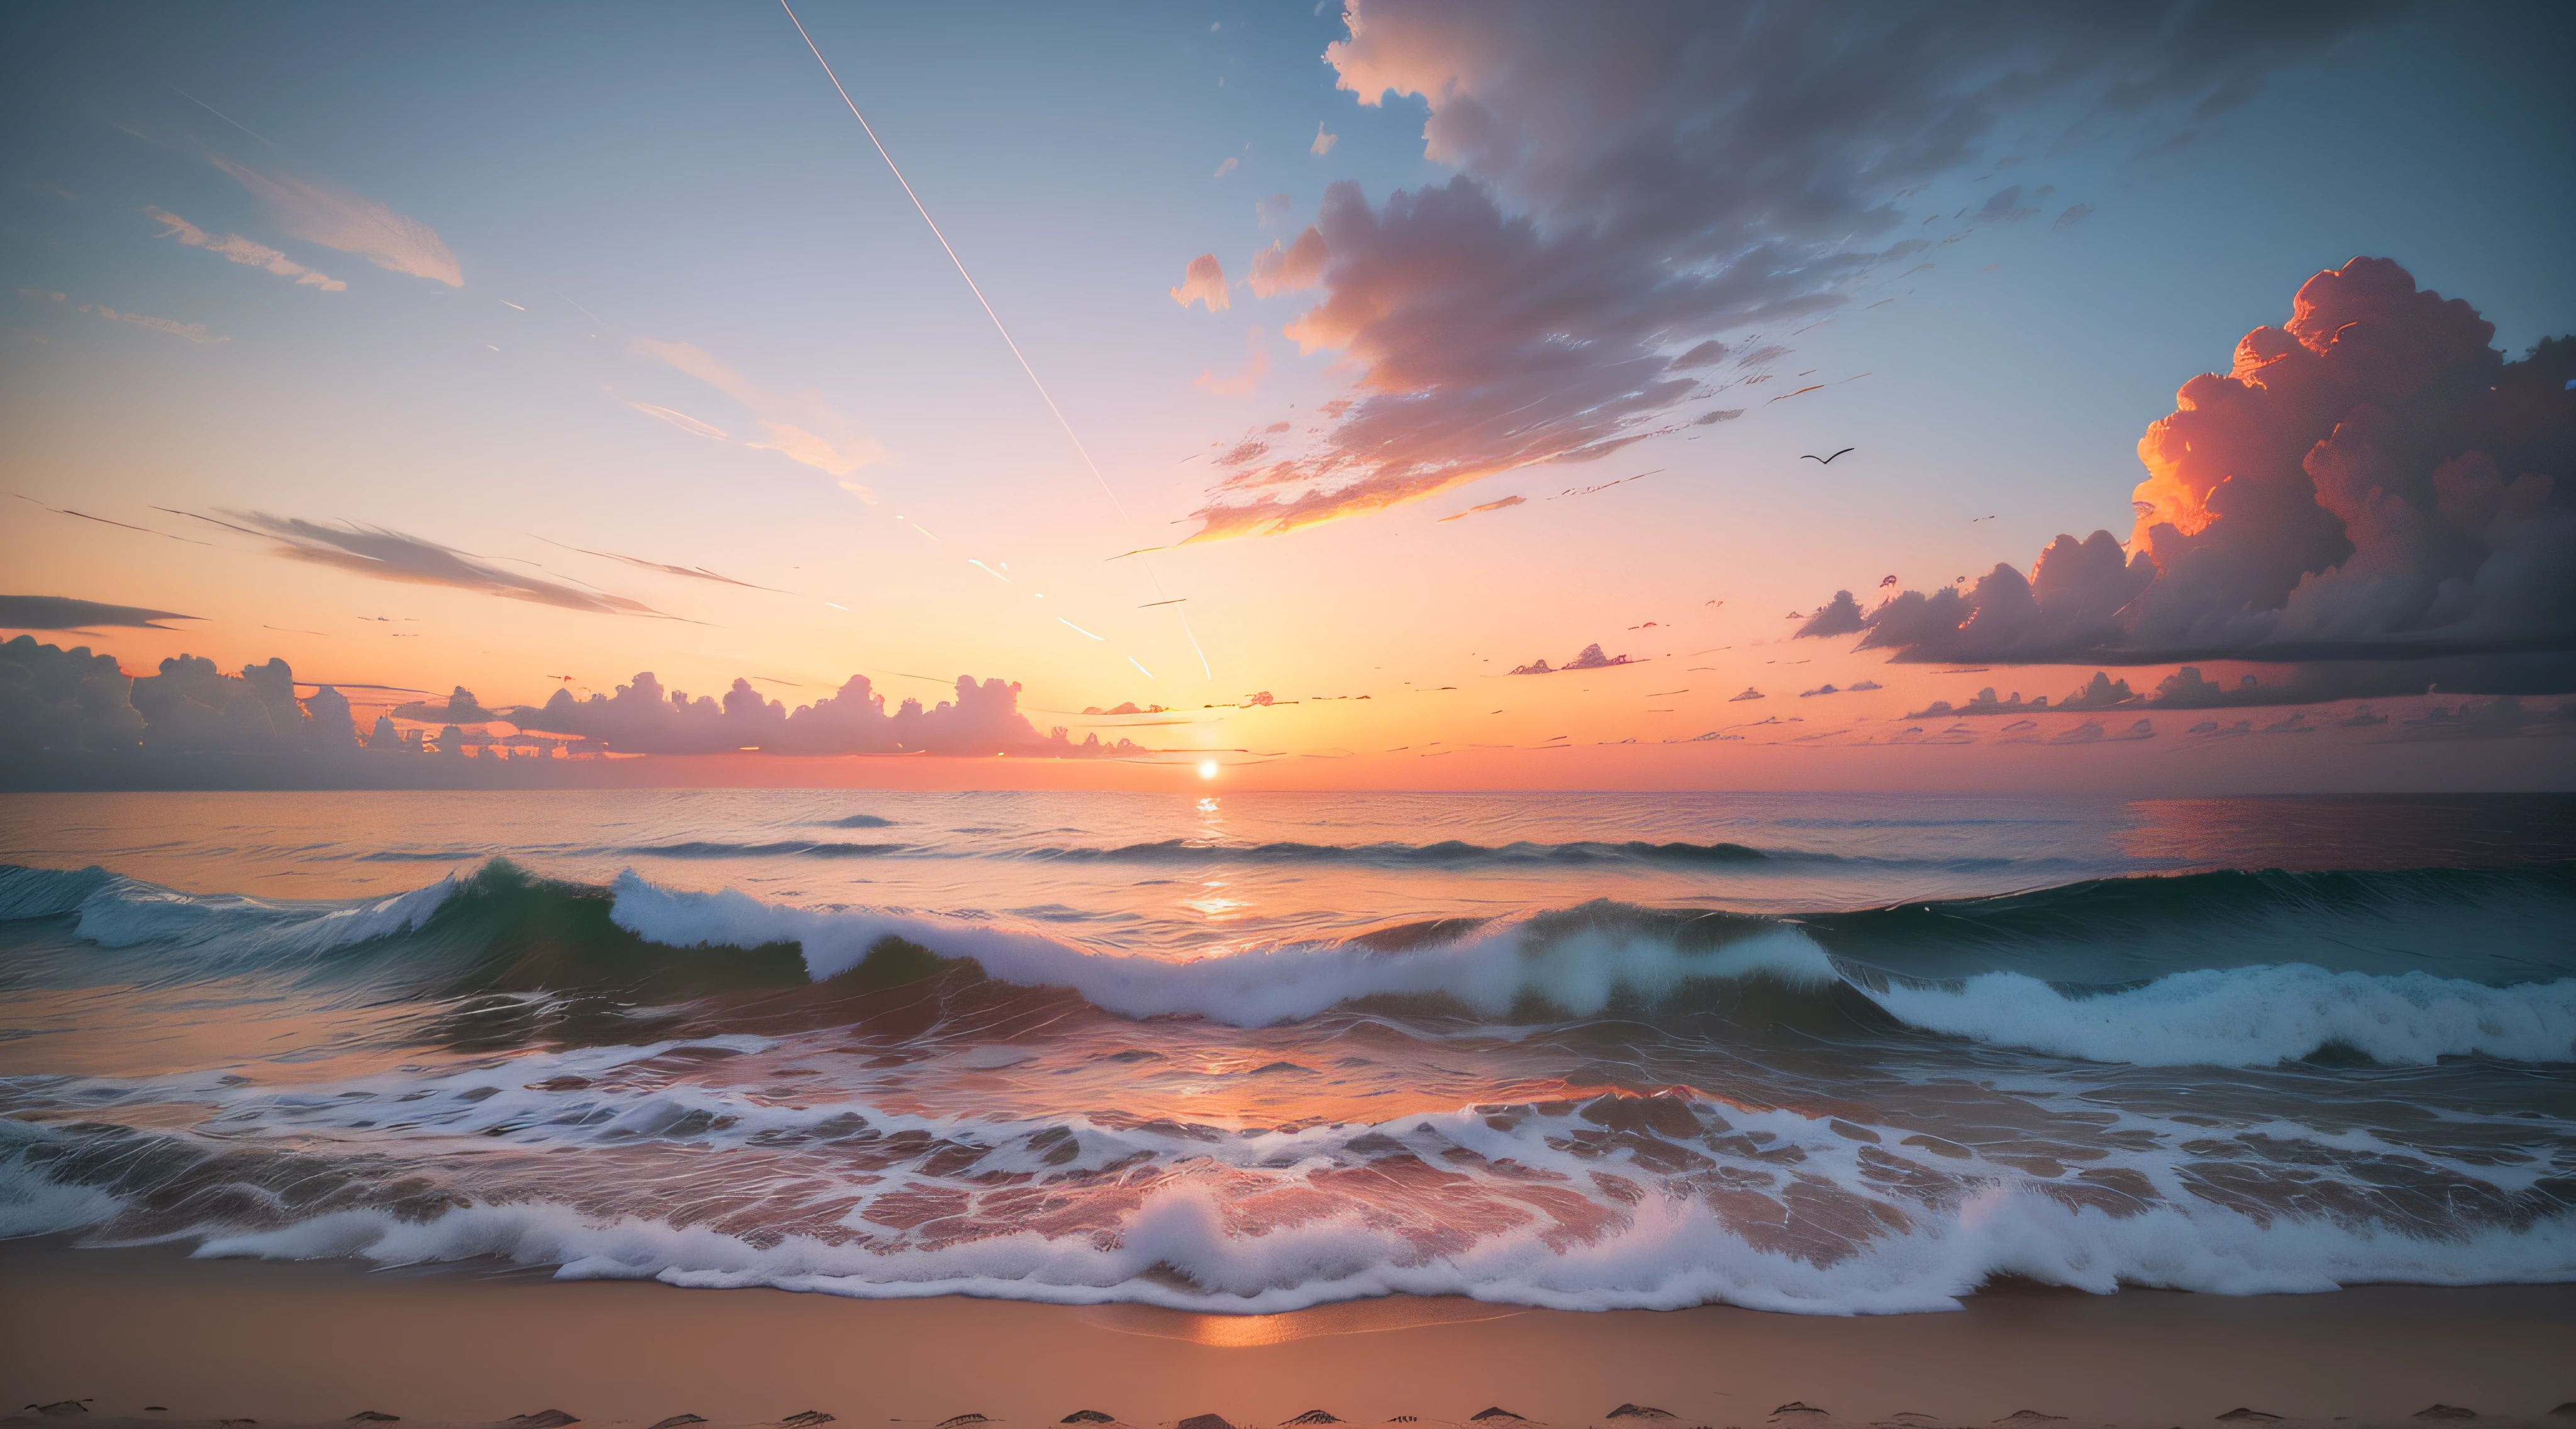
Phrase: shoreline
(313, 1342)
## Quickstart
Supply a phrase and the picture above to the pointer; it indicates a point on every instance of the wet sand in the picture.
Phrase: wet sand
(316, 1342)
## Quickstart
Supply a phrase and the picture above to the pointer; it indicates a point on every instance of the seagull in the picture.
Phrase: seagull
(1824, 460)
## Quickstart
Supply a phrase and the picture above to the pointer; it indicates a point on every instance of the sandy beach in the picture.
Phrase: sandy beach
(317, 1342)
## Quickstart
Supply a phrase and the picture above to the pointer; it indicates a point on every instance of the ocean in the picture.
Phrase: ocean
(1249, 1053)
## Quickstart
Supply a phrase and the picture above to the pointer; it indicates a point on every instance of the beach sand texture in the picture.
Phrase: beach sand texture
(312, 1343)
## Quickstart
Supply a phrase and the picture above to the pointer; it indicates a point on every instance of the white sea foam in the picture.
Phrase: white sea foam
(2249, 1016)
(1577, 972)
(1651, 1242)
(2252, 1016)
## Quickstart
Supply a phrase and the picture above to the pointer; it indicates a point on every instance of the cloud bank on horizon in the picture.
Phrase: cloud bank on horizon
(1637, 180)
(56, 702)
(2369, 482)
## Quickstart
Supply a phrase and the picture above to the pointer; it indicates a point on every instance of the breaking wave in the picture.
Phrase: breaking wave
(2053, 972)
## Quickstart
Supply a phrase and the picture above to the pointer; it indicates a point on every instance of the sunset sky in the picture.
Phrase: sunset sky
(531, 348)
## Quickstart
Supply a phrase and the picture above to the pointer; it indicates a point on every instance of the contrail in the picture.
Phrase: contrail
(219, 114)
(1007, 341)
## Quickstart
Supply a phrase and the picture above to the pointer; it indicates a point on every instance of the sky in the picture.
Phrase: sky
(1318, 353)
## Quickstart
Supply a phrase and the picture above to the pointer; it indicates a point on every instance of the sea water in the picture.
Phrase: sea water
(1250, 1053)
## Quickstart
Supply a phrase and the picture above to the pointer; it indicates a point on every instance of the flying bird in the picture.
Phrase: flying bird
(1824, 460)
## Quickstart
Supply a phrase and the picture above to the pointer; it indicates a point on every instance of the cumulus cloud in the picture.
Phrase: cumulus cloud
(1203, 282)
(1289, 269)
(319, 213)
(1839, 616)
(1589, 658)
(1634, 181)
(72, 711)
(642, 718)
(56, 702)
(390, 555)
(800, 426)
(460, 707)
(55, 612)
(2369, 482)
(241, 250)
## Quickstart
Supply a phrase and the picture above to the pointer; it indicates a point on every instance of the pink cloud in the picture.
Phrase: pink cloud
(797, 425)
(1203, 282)
(1635, 181)
(193, 332)
(1290, 269)
(1256, 365)
(2369, 481)
(319, 213)
(241, 250)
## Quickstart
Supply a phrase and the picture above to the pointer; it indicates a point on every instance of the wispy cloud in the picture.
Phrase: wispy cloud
(681, 420)
(695, 573)
(56, 612)
(797, 425)
(242, 250)
(1507, 501)
(1229, 166)
(1323, 142)
(103, 521)
(193, 332)
(389, 555)
(334, 218)
(1256, 365)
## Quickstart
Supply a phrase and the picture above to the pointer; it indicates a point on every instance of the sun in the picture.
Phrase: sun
(1207, 768)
